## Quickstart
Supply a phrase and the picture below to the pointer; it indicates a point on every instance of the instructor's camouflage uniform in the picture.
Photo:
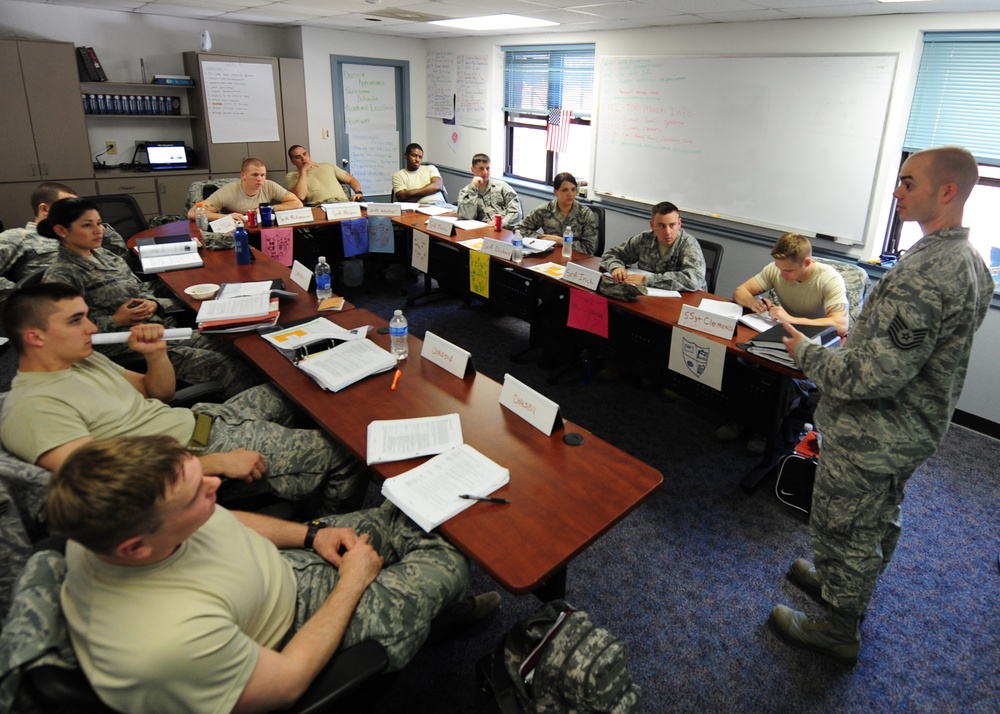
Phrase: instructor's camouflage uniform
(680, 267)
(887, 400)
(107, 283)
(498, 199)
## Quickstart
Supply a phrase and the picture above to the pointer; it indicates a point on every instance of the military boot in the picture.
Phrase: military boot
(803, 574)
(835, 635)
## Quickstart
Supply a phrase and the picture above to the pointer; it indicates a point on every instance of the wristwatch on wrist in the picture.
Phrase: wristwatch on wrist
(314, 528)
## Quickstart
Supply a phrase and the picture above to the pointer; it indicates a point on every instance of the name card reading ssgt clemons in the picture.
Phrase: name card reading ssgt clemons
(535, 408)
(712, 323)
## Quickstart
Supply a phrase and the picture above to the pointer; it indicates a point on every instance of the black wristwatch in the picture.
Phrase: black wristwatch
(314, 528)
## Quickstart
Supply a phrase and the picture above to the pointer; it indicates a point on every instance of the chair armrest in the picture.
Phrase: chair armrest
(345, 673)
(211, 391)
(65, 689)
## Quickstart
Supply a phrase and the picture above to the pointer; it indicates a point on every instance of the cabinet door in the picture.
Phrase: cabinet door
(173, 191)
(17, 144)
(53, 89)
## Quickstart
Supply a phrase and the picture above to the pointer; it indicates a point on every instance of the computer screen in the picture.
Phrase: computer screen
(167, 154)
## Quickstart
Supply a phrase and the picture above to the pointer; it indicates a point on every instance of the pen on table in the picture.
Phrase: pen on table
(395, 378)
(488, 499)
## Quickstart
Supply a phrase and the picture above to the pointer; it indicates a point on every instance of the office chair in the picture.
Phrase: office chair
(856, 281)
(200, 190)
(713, 262)
(342, 679)
(122, 212)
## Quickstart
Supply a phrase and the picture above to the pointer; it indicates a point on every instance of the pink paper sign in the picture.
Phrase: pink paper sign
(588, 311)
(277, 243)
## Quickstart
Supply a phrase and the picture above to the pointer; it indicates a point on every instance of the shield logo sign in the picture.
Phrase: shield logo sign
(695, 357)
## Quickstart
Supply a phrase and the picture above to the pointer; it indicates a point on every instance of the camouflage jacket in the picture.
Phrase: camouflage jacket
(498, 199)
(682, 267)
(23, 252)
(106, 282)
(889, 392)
(548, 219)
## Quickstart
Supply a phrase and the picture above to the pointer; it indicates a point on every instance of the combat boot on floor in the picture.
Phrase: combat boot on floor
(803, 574)
(835, 634)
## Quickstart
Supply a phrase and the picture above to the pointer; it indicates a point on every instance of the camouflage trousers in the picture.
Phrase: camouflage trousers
(301, 463)
(422, 575)
(855, 522)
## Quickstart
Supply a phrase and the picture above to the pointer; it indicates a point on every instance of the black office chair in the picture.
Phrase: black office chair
(599, 216)
(338, 684)
(713, 261)
(122, 212)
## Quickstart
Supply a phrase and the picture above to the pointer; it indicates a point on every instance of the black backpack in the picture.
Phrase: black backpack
(570, 664)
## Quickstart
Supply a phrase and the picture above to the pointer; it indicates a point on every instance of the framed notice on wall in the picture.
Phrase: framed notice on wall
(240, 102)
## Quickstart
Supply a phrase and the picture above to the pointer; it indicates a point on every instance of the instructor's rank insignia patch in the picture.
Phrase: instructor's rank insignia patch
(902, 336)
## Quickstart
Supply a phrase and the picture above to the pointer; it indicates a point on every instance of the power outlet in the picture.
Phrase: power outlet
(111, 147)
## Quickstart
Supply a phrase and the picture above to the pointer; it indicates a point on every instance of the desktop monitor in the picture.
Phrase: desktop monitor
(167, 155)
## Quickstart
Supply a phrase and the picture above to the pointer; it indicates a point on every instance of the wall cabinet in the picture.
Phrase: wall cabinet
(44, 136)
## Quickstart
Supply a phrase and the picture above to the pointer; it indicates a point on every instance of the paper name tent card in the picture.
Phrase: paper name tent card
(347, 363)
(430, 494)
(176, 254)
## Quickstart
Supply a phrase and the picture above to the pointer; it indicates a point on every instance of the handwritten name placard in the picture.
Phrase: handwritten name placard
(296, 215)
(439, 225)
(499, 248)
(446, 355)
(584, 277)
(536, 409)
(341, 210)
(301, 275)
(711, 323)
(226, 224)
(421, 251)
(384, 209)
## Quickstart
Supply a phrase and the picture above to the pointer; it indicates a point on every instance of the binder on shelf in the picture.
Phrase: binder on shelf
(89, 67)
(174, 79)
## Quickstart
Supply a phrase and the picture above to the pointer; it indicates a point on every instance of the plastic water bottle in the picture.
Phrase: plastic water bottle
(567, 248)
(200, 216)
(323, 288)
(241, 241)
(397, 334)
(518, 254)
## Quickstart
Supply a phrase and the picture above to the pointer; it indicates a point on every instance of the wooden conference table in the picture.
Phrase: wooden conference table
(562, 497)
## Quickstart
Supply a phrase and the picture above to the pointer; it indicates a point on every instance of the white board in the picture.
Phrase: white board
(786, 142)
(240, 100)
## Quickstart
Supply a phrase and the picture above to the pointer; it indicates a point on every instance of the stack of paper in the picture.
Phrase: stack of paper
(757, 321)
(168, 253)
(431, 493)
(401, 439)
(241, 314)
(770, 344)
(347, 363)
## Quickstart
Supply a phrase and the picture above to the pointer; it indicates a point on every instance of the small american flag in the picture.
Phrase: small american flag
(557, 132)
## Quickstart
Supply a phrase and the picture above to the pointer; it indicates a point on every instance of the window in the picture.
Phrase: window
(537, 80)
(957, 102)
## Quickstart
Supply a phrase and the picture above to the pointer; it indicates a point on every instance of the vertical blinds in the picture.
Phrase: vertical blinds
(537, 79)
(957, 97)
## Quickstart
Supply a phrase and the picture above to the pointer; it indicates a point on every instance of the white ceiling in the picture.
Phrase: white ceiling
(408, 18)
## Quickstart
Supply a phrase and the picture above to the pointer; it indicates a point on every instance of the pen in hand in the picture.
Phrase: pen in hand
(487, 499)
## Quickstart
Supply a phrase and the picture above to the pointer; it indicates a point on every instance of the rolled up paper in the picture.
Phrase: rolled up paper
(119, 338)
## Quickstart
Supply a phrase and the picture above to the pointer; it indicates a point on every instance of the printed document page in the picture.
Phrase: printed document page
(399, 439)
(347, 363)
(430, 493)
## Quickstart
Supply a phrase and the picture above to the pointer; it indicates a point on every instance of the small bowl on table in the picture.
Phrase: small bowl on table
(202, 291)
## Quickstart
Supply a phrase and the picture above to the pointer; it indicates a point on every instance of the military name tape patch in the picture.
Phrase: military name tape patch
(902, 336)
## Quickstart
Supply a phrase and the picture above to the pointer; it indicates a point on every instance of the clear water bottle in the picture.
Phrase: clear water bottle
(567, 248)
(200, 216)
(397, 334)
(518, 254)
(323, 288)
(241, 241)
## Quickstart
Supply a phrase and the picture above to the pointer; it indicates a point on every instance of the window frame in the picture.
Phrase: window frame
(514, 116)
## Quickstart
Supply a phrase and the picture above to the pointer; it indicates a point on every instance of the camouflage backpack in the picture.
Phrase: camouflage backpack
(579, 668)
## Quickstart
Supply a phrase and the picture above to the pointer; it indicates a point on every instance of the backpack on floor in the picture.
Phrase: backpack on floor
(797, 473)
(558, 662)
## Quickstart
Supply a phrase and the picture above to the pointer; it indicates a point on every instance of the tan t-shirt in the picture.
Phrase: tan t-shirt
(181, 635)
(322, 183)
(92, 398)
(232, 199)
(811, 299)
